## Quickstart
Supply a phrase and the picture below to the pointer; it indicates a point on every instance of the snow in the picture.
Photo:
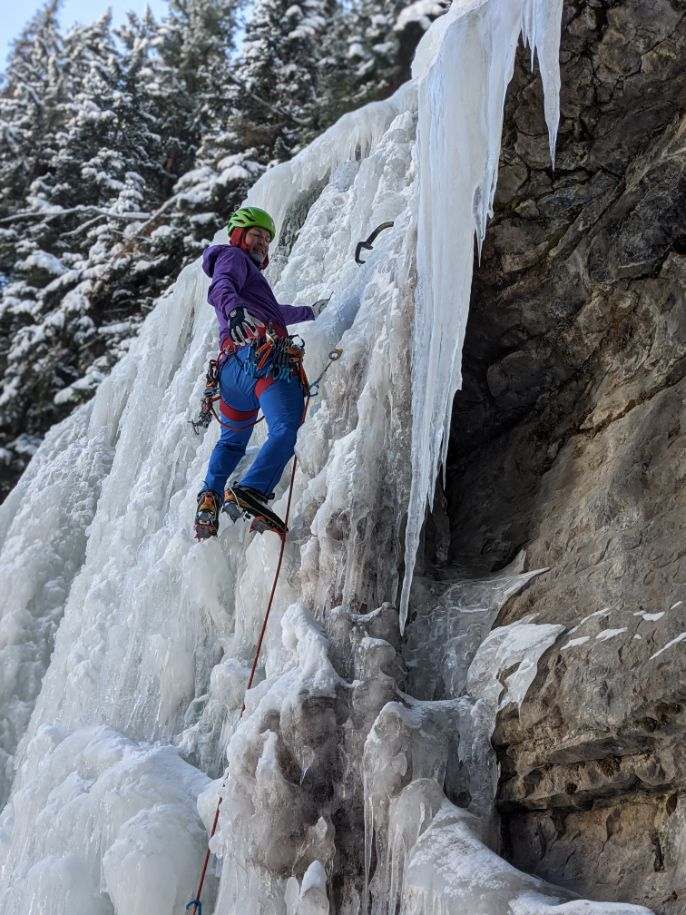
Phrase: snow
(26, 444)
(119, 327)
(606, 634)
(572, 643)
(125, 647)
(422, 11)
(162, 232)
(680, 638)
(650, 617)
(42, 260)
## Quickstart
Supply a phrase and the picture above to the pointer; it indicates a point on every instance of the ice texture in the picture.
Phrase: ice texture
(37, 573)
(125, 646)
(92, 827)
(453, 616)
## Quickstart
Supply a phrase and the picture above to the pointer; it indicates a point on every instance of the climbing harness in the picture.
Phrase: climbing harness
(369, 243)
(271, 357)
(334, 356)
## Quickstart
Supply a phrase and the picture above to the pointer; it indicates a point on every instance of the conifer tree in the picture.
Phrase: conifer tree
(277, 76)
(383, 36)
(31, 95)
(195, 44)
(103, 171)
(335, 88)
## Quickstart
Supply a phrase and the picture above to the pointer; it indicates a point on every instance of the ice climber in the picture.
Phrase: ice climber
(258, 369)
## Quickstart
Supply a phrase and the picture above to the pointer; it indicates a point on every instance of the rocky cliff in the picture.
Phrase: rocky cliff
(568, 444)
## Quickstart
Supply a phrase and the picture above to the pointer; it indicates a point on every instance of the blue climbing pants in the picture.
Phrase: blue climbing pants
(282, 404)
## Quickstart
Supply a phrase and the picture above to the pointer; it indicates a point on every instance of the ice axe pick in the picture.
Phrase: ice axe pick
(369, 243)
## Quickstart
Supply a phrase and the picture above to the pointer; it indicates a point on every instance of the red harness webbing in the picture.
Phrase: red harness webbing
(230, 413)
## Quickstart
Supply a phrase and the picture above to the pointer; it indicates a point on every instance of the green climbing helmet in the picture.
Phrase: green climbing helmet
(247, 217)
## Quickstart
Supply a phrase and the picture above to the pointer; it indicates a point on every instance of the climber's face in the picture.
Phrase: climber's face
(257, 244)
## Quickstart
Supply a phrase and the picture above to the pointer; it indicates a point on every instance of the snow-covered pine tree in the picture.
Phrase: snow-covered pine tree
(382, 38)
(284, 87)
(335, 87)
(277, 74)
(195, 44)
(31, 95)
(103, 172)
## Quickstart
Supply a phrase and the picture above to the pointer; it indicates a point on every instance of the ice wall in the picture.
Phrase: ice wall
(150, 634)
(125, 647)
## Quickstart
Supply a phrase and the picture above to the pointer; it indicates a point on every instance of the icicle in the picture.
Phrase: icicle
(462, 84)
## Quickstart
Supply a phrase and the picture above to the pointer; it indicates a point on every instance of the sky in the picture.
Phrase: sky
(13, 16)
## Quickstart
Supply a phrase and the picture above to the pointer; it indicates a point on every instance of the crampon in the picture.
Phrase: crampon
(207, 515)
(243, 502)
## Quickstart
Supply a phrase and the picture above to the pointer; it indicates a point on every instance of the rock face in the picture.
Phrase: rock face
(568, 443)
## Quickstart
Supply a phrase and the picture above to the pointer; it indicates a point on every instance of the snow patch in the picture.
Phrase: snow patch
(421, 11)
(609, 634)
(680, 638)
(42, 260)
(573, 643)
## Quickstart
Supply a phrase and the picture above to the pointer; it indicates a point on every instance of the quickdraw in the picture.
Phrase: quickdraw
(334, 356)
(278, 357)
(209, 396)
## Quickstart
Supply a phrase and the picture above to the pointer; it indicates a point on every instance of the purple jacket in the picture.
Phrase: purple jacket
(236, 280)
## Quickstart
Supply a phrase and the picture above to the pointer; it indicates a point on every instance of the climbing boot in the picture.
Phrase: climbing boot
(241, 501)
(207, 515)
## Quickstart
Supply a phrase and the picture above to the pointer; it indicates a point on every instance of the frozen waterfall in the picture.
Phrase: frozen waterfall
(125, 646)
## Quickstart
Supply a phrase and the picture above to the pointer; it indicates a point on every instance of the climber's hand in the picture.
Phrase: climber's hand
(320, 305)
(243, 327)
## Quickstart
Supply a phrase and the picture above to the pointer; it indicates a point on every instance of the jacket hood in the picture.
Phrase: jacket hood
(209, 257)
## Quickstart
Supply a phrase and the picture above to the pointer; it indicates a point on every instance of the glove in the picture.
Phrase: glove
(320, 305)
(243, 327)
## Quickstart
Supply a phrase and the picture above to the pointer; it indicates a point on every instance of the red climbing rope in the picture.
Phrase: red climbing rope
(196, 903)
